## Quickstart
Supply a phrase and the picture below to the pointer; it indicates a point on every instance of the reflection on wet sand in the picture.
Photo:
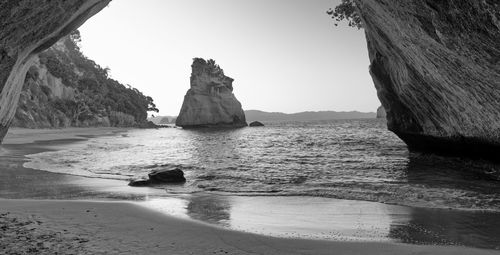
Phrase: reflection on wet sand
(211, 209)
(333, 219)
(449, 227)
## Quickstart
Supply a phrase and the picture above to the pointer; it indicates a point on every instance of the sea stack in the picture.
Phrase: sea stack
(210, 101)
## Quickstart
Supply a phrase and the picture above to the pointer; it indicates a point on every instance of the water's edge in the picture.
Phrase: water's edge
(291, 216)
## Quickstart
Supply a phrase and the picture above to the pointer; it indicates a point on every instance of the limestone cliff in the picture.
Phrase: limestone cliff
(34, 108)
(381, 114)
(27, 28)
(64, 88)
(210, 101)
(436, 68)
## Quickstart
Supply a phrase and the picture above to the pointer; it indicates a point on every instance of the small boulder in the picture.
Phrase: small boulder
(256, 124)
(167, 176)
(139, 183)
(160, 177)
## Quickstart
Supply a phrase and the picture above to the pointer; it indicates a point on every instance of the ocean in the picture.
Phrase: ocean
(341, 159)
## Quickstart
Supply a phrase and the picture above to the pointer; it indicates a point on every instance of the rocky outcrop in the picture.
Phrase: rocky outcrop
(210, 101)
(64, 88)
(27, 28)
(435, 65)
(34, 108)
(256, 124)
(157, 177)
(381, 114)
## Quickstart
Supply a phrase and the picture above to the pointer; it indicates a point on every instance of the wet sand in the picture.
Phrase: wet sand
(336, 219)
(145, 227)
(125, 228)
(17, 182)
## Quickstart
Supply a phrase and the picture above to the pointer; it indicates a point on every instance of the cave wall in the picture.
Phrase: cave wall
(436, 68)
(28, 27)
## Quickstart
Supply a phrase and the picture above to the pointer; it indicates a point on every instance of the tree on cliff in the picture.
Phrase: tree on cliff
(96, 93)
(151, 105)
(346, 10)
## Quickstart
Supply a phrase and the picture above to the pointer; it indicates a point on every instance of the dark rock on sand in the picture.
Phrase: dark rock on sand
(167, 176)
(256, 124)
(160, 177)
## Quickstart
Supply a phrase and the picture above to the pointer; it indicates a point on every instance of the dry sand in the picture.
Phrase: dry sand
(85, 227)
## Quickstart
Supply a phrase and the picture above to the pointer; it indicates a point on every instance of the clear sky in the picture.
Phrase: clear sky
(285, 55)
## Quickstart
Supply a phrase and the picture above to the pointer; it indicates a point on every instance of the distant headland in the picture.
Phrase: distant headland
(257, 115)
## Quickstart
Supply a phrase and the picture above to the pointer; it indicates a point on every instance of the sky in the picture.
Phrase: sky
(285, 55)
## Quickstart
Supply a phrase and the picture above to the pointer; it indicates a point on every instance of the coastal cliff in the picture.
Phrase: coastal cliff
(27, 28)
(436, 68)
(210, 101)
(64, 88)
(435, 65)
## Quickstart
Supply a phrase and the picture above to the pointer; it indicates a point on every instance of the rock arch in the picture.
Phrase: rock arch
(435, 64)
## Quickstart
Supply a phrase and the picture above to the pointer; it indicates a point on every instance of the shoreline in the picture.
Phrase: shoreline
(27, 135)
(69, 189)
(19, 182)
(125, 228)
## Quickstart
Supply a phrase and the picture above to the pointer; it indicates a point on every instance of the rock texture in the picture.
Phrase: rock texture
(210, 101)
(381, 114)
(34, 109)
(435, 65)
(27, 28)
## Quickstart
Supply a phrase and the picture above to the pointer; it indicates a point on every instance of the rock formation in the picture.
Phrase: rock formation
(27, 28)
(435, 65)
(256, 124)
(157, 177)
(436, 68)
(64, 88)
(210, 101)
(381, 114)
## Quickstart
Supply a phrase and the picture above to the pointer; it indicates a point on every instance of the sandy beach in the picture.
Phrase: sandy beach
(26, 135)
(101, 217)
(125, 228)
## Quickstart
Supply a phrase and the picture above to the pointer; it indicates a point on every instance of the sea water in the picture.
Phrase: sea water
(343, 159)
(345, 180)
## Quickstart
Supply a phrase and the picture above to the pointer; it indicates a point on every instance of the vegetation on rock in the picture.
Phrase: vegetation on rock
(346, 10)
(97, 98)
